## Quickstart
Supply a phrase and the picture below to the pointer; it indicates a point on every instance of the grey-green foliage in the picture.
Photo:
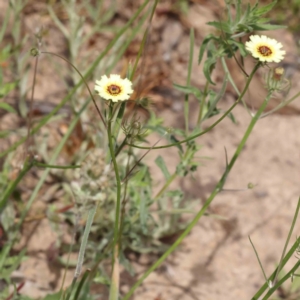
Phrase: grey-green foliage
(226, 44)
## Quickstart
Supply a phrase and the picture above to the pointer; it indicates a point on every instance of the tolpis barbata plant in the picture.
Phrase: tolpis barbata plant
(112, 183)
(245, 21)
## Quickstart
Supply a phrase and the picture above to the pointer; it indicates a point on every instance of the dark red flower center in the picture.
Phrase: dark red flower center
(264, 50)
(114, 90)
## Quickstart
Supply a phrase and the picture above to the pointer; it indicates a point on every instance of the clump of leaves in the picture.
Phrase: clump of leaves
(232, 28)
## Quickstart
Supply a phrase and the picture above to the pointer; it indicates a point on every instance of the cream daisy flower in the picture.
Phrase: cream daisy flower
(114, 88)
(265, 48)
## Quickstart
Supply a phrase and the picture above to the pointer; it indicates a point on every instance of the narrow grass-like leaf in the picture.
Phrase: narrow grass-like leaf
(188, 90)
(238, 14)
(271, 278)
(3, 255)
(264, 9)
(6, 272)
(161, 164)
(81, 284)
(209, 65)
(13, 184)
(282, 280)
(88, 225)
(267, 27)
(224, 26)
(288, 239)
(5, 22)
(4, 90)
(204, 44)
(258, 259)
(57, 22)
(7, 107)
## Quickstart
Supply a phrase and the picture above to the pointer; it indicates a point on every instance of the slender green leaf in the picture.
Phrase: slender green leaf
(55, 296)
(209, 65)
(161, 164)
(204, 44)
(241, 47)
(267, 27)
(6, 106)
(264, 9)
(238, 11)
(223, 26)
(189, 90)
(6, 88)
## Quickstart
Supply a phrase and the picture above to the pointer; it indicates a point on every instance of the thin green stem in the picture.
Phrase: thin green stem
(38, 164)
(114, 288)
(192, 137)
(216, 190)
(29, 120)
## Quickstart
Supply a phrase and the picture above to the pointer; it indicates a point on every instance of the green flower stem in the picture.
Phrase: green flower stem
(114, 287)
(216, 190)
(192, 137)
